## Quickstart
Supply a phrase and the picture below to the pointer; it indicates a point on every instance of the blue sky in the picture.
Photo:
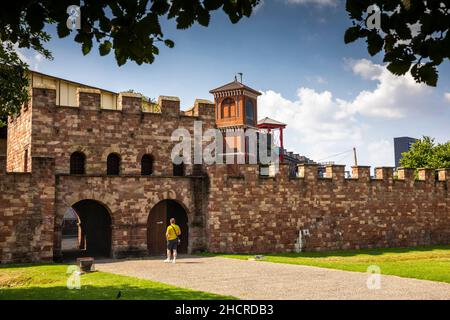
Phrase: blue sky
(332, 96)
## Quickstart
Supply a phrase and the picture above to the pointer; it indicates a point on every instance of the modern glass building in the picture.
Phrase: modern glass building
(401, 144)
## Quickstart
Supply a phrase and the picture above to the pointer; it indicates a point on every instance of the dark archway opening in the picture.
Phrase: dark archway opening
(86, 231)
(158, 221)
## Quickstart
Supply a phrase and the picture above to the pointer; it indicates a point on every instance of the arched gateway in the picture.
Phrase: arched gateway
(157, 223)
(91, 235)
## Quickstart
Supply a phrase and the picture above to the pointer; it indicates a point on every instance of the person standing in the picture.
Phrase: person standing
(173, 233)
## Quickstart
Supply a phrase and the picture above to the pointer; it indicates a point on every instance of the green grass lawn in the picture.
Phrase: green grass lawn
(49, 281)
(429, 263)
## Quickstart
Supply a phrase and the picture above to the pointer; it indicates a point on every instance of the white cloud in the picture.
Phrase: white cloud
(317, 79)
(380, 153)
(447, 96)
(21, 54)
(27, 56)
(319, 125)
(315, 114)
(388, 100)
(38, 57)
(316, 2)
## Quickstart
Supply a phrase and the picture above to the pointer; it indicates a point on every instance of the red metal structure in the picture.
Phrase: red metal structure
(269, 125)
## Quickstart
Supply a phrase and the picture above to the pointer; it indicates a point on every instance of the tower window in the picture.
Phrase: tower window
(146, 165)
(249, 112)
(228, 108)
(77, 163)
(113, 164)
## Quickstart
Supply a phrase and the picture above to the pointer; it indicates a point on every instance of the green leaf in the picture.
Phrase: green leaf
(374, 43)
(105, 48)
(62, 29)
(425, 153)
(14, 82)
(399, 67)
(184, 20)
(149, 25)
(80, 37)
(105, 24)
(355, 9)
(160, 7)
(169, 43)
(86, 46)
(389, 42)
(34, 14)
(403, 31)
(120, 57)
(203, 18)
(212, 4)
(352, 34)
(426, 73)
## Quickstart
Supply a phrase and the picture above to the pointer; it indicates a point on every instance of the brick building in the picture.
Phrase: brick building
(107, 156)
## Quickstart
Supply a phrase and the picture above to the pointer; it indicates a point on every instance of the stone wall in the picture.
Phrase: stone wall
(228, 210)
(27, 212)
(250, 213)
(129, 199)
(59, 131)
(19, 141)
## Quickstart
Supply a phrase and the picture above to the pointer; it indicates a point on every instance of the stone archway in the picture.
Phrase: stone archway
(157, 223)
(94, 230)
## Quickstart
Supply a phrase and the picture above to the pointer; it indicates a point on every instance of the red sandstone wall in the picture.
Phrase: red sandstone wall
(245, 213)
(255, 214)
(19, 140)
(59, 131)
(27, 213)
(129, 199)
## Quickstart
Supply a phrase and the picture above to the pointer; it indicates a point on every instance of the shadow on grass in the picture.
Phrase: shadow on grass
(30, 265)
(88, 292)
(343, 253)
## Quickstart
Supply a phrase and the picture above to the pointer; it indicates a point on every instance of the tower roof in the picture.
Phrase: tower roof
(234, 85)
(270, 122)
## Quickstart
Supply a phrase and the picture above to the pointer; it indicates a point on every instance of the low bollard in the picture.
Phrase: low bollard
(86, 264)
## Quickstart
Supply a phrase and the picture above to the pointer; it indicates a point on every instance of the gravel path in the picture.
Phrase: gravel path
(263, 280)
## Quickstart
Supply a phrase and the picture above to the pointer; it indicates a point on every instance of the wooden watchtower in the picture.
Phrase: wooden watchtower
(236, 109)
